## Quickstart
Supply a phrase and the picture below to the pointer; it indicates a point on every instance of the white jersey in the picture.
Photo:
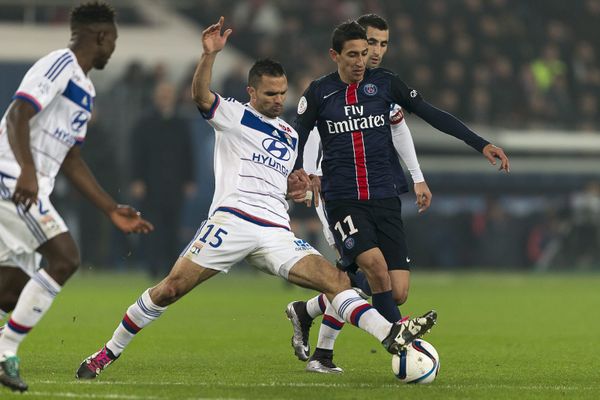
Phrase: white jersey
(253, 157)
(63, 96)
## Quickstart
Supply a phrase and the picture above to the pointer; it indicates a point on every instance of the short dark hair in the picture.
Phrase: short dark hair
(92, 12)
(265, 66)
(373, 21)
(349, 30)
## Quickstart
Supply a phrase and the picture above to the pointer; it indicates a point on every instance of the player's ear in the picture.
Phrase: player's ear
(100, 36)
(251, 91)
(333, 54)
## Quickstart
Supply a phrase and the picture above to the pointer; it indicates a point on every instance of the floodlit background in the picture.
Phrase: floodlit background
(524, 74)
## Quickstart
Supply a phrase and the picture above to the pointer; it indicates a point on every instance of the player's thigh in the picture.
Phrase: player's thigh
(353, 228)
(23, 232)
(222, 241)
(400, 285)
(62, 256)
(372, 263)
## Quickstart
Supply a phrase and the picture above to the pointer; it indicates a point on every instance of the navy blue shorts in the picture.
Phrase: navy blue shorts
(360, 225)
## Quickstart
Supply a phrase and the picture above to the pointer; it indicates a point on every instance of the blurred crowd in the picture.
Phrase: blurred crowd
(510, 63)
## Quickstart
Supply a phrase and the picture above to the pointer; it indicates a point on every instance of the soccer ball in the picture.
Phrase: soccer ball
(418, 363)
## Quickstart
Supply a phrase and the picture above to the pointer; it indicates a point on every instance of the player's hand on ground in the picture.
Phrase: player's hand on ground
(423, 196)
(298, 186)
(26, 189)
(315, 183)
(129, 220)
(212, 39)
(492, 153)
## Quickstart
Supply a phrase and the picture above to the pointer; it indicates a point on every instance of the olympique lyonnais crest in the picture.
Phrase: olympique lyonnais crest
(370, 89)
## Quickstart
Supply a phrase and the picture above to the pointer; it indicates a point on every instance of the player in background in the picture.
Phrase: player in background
(40, 134)
(255, 151)
(350, 108)
(301, 313)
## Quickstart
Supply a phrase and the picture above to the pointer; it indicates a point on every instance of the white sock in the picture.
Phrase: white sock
(316, 306)
(330, 328)
(359, 313)
(138, 315)
(34, 301)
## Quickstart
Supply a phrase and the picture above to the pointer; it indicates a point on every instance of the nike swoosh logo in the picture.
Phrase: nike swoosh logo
(331, 94)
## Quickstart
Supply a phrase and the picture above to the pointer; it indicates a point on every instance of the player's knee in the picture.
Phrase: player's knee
(167, 292)
(400, 296)
(61, 268)
(378, 280)
(336, 282)
(8, 300)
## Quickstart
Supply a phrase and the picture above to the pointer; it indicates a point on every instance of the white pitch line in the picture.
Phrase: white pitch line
(72, 395)
(323, 384)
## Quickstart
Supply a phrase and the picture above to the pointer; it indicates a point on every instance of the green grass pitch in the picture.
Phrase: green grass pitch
(500, 336)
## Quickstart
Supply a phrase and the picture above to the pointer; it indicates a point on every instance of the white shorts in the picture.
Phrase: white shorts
(225, 239)
(21, 233)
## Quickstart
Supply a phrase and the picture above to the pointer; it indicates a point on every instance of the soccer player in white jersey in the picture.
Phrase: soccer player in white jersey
(301, 313)
(40, 134)
(255, 151)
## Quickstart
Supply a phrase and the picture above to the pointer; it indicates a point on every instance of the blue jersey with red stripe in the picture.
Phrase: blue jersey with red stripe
(353, 122)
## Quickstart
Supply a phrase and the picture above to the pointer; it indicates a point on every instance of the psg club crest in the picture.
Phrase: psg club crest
(349, 243)
(370, 89)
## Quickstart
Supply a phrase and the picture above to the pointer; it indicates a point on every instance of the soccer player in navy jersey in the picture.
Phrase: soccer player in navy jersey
(322, 359)
(350, 109)
(40, 134)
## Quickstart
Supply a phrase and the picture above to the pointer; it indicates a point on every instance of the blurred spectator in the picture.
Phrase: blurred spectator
(96, 230)
(162, 176)
(547, 69)
(585, 234)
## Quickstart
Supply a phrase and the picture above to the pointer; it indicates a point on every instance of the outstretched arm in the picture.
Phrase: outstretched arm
(212, 42)
(17, 124)
(124, 217)
(451, 125)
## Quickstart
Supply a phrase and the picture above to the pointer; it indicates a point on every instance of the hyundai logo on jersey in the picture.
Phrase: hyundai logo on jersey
(276, 149)
(79, 119)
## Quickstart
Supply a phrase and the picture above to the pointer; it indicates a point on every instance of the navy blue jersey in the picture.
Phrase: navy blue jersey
(353, 122)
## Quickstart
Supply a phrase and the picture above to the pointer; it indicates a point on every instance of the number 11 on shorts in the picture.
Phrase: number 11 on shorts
(352, 229)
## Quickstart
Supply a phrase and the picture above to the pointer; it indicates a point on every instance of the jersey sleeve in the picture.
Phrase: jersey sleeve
(306, 117)
(46, 79)
(404, 145)
(404, 96)
(312, 153)
(224, 113)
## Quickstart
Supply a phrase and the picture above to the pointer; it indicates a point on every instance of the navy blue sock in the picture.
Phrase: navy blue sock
(359, 280)
(385, 304)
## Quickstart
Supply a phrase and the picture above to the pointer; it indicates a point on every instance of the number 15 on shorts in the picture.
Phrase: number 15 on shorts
(208, 236)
